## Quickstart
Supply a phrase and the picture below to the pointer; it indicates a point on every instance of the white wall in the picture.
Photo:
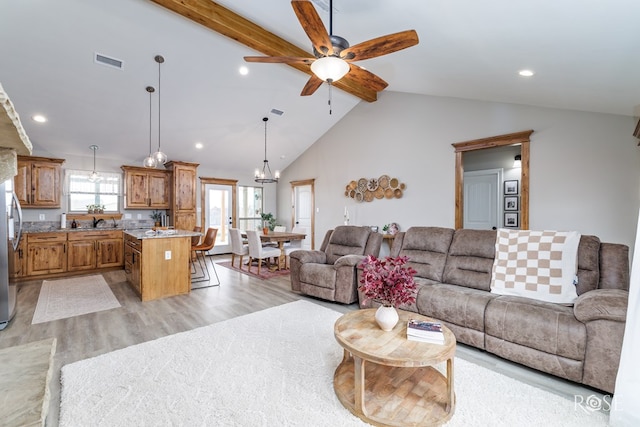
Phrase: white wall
(585, 167)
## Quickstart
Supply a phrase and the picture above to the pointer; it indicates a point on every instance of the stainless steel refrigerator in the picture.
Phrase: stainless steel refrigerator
(10, 234)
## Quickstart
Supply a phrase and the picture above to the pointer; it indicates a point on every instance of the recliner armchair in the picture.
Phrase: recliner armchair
(330, 273)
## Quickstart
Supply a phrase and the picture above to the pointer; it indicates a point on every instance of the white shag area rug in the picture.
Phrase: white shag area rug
(60, 299)
(271, 368)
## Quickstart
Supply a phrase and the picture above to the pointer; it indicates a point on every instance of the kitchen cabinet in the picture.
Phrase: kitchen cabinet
(145, 188)
(183, 194)
(46, 253)
(17, 260)
(38, 182)
(88, 250)
(157, 265)
(133, 262)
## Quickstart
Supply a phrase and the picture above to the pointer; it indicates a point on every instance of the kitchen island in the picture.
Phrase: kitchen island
(157, 262)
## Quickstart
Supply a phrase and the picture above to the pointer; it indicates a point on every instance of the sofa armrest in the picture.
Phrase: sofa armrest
(316, 257)
(349, 261)
(602, 304)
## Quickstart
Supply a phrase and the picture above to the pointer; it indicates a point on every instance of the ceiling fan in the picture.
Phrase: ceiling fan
(333, 56)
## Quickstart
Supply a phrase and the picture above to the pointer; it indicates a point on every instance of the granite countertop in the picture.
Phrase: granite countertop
(160, 234)
(65, 230)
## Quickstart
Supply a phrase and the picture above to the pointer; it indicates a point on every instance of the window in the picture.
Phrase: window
(249, 208)
(83, 192)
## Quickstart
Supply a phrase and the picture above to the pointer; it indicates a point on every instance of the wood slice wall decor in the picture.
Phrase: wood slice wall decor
(369, 189)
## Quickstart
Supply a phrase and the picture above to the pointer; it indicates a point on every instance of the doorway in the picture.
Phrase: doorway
(303, 210)
(218, 210)
(518, 138)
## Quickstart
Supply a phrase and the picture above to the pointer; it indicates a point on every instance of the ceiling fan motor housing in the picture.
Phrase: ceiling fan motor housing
(339, 44)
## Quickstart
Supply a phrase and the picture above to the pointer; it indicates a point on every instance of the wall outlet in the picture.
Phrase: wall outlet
(41, 217)
(127, 216)
(139, 216)
(167, 254)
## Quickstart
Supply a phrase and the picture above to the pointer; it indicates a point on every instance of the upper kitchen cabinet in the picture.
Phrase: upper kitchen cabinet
(146, 188)
(38, 182)
(183, 194)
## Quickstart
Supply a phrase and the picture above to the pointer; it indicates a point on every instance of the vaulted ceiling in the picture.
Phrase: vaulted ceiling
(584, 55)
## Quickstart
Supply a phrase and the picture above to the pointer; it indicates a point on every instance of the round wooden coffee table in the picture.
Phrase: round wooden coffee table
(400, 385)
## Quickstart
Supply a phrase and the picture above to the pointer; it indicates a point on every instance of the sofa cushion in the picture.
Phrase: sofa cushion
(536, 264)
(588, 264)
(426, 248)
(454, 304)
(347, 240)
(548, 327)
(470, 259)
(323, 275)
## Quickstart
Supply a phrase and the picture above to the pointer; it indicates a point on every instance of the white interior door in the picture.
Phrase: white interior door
(303, 211)
(481, 199)
(219, 214)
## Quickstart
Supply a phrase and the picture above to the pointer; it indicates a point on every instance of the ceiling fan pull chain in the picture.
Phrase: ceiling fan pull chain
(329, 96)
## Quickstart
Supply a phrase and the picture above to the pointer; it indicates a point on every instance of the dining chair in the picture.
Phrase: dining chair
(237, 247)
(201, 252)
(257, 251)
(293, 245)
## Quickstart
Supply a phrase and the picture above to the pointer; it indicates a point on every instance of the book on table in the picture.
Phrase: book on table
(420, 330)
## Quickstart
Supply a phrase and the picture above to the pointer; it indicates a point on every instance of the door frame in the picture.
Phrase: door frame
(518, 138)
(302, 183)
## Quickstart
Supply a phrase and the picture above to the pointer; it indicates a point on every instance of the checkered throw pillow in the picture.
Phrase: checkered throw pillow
(536, 264)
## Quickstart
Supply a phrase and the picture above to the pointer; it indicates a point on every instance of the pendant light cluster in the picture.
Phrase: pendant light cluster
(158, 158)
(265, 176)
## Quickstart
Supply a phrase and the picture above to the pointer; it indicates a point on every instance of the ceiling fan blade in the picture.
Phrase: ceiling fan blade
(313, 26)
(312, 85)
(365, 78)
(279, 59)
(380, 46)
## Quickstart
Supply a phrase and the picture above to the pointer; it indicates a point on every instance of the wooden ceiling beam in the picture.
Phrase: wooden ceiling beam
(230, 24)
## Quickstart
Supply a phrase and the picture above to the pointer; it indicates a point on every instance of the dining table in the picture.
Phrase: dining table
(279, 237)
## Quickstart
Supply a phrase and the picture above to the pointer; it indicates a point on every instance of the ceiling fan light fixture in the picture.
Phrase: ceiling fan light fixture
(330, 68)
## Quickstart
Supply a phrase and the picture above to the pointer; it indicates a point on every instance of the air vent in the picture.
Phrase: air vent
(277, 112)
(109, 62)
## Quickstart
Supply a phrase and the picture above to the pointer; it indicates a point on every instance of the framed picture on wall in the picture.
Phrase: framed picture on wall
(510, 219)
(511, 187)
(511, 203)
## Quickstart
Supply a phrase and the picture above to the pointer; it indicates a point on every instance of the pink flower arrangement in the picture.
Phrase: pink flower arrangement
(388, 280)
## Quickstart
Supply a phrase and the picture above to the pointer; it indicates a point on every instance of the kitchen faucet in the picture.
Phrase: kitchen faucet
(97, 221)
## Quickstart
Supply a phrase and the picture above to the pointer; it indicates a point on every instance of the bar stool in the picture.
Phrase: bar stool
(201, 250)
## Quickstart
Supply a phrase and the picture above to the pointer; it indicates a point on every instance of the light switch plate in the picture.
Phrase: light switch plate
(41, 217)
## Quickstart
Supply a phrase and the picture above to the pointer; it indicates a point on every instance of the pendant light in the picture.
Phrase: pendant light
(94, 177)
(159, 156)
(150, 161)
(265, 176)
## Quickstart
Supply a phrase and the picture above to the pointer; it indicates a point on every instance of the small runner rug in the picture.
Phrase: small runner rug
(271, 368)
(60, 299)
(265, 273)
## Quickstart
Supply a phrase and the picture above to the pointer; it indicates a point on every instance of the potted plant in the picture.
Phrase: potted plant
(156, 216)
(268, 222)
(390, 282)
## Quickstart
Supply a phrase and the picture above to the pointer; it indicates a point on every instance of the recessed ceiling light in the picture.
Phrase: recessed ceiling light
(39, 118)
(526, 73)
(243, 70)
(199, 145)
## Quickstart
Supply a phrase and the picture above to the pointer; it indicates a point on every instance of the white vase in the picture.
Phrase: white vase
(386, 317)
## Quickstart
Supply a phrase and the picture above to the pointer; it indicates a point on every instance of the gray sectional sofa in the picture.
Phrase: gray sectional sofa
(581, 343)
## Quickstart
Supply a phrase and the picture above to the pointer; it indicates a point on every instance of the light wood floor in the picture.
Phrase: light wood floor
(135, 322)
